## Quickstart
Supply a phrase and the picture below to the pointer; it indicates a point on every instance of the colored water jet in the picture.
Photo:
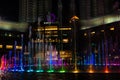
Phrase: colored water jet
(10, 60)
(21, 62)
(91, 69)
(50, 59)
(21, 55)
(39, 66)
(62, 69)
(29, 59)
(106, 69)
(15, 62)
(3, 63)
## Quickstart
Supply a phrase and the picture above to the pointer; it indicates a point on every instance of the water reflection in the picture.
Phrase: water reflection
(58, 76)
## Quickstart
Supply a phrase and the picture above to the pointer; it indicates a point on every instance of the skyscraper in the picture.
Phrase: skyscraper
(94, 8)
(30, 10)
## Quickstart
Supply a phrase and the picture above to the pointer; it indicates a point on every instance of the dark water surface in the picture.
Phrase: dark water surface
(61, 76)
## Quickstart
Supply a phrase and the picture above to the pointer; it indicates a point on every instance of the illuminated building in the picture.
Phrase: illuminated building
(100, 40)
(51, 35)
(9, 33)
(88, 11)
(33, 10)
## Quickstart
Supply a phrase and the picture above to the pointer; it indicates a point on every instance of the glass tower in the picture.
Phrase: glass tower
(94, 8)
(30, 10)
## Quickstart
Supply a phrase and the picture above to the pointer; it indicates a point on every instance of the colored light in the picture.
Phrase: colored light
(112, 28)
(30, 70)
(39, 71)
(62, 71)
(91, 71)
(14, 70)
(76, 71)
(50, 71)
(1, 46)
(21, 70)
(106, 71)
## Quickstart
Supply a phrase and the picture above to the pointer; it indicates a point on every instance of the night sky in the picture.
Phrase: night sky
(9, 9)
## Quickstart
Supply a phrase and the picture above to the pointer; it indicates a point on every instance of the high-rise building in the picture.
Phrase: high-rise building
(94, 8)
(30, 10)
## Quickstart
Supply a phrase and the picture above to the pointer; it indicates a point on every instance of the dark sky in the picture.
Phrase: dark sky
(9, 9)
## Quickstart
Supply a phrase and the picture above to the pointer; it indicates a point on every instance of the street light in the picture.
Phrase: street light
(73, 20)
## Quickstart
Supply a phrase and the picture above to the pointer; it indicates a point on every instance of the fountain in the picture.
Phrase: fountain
(3, 63)
(91, 69)
(62, 68)
(14, 61)
(39, 69)
(29, 59)
(43, 57)
(21, 54)
(34, 61)
(50, 59)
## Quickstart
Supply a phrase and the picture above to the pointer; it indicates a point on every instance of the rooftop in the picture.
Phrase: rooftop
(107, 19)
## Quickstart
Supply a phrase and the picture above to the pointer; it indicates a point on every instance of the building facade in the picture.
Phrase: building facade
(30, 10)
(94, 8)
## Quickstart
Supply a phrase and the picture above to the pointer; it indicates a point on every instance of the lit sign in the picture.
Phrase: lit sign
(51, 17)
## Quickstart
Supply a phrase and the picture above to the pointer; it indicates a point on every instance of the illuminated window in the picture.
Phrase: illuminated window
(1, 46)
(65, 40)
(85, 34)
(9, 46)
(112, 28)
(10, 35)
(18, 47)
(93, 32)
(102, 30)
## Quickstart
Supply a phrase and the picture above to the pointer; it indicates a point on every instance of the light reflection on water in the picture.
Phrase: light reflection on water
(58, 76)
